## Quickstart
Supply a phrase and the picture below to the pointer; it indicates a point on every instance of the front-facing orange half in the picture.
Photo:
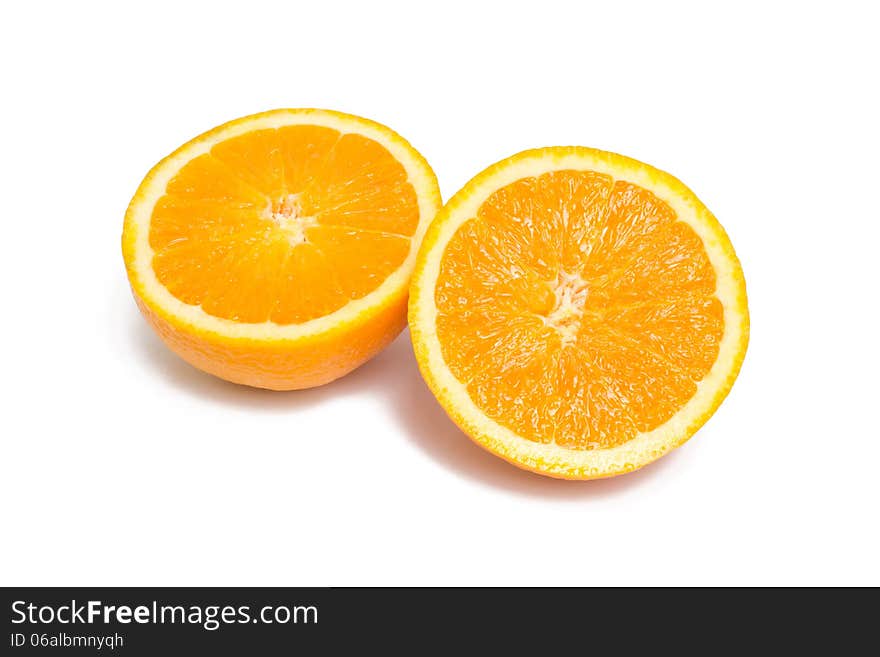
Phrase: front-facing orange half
(577, 312)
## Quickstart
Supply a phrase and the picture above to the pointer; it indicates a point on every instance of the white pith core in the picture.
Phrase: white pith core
(570, 291)
(287, 214)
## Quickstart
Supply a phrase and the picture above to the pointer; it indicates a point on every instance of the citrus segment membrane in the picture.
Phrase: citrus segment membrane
(577, 309)
(283, 225)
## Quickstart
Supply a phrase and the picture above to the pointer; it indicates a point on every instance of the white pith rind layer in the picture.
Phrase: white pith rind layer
(154, 186)
(549, 457)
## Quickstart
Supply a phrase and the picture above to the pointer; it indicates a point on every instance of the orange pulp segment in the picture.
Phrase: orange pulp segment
(283, 225)
(577, 309)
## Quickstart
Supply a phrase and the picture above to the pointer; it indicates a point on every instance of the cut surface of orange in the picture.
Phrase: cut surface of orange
(276, 250)
(578, 313)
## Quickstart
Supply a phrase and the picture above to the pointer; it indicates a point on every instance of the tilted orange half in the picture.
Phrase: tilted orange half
(577, 312)
(276, 250)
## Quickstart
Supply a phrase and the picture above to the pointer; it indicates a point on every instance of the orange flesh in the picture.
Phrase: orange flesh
(283, 225)
(577, 309)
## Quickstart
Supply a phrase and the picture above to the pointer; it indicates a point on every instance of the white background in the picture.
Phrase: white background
(122, 465)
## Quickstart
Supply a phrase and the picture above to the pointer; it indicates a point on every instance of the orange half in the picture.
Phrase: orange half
(276, 250)
(578, 313)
